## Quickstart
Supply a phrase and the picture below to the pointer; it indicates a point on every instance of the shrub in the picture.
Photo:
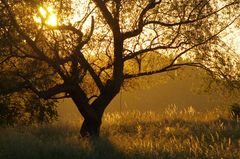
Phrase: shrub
(26, 108)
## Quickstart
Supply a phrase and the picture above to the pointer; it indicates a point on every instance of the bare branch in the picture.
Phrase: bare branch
(141, 23)
(22, 33)
(140, 52)
(106, 13)
(84, 42)
(17, 88)
(188, 21)
(70, 28)
(31, 43)
(88, 67)
(170, 67)
(57, 89)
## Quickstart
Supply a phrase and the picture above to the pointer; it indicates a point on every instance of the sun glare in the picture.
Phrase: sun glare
(52, 20)
(43, 12)
(231, 37)
(46, 15)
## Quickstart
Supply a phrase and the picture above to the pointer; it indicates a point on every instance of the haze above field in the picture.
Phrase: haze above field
(184, 90)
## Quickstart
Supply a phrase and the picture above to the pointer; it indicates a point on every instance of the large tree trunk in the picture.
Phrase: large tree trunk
(92, 113)
(90, 128)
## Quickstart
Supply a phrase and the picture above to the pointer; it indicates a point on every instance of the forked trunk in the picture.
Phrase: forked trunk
(92, 113)
(92, 118)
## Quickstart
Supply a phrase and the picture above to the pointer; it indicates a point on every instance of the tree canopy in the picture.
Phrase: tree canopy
(26, 108)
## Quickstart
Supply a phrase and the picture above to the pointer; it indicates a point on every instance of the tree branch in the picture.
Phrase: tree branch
(45, 94)
(88, 67)
(22, 33)
(189, 21)
(17, 88)
(141, 23)
(170, 67)
(105, 12)
(140, 52)
(31, 42)
(57, 89)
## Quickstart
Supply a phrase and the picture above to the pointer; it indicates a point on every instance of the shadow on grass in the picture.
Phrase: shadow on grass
(117, 141)
(103, 148)
(46, 143)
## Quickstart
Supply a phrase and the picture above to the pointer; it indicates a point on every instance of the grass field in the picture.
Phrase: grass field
(170, 134)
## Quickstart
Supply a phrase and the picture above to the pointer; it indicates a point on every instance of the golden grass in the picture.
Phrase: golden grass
(172, 134)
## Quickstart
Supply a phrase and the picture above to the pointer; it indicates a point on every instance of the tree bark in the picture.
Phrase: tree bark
(90, 128)
(92, 113)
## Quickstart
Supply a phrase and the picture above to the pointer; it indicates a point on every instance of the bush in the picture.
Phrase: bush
(26, 108)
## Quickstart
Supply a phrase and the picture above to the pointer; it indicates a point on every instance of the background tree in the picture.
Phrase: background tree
(18, 106)
(26, 108)
(87, 50)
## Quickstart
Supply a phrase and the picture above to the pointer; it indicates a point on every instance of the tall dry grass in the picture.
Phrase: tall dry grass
(170, 134)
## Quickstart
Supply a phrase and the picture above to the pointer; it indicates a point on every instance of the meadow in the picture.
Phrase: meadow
(172, 134)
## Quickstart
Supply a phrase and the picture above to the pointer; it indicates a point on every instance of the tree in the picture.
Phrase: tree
(87, 50)
(18, 106)
(26, 108)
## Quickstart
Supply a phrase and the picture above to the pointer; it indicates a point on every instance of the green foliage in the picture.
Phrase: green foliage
(172, 134)
(26, 108)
